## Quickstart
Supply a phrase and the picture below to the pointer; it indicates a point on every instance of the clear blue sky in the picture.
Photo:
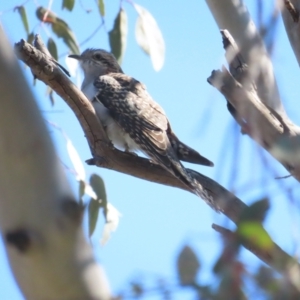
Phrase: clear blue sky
(157, 221)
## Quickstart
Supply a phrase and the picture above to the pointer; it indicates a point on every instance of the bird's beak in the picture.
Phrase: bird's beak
(75, 56)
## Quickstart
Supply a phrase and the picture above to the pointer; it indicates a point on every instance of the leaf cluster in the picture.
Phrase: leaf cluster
(148, 34)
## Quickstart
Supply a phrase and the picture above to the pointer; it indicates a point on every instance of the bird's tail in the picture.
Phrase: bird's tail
(189, 179)
(186, 153)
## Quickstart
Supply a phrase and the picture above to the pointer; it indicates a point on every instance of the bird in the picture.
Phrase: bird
(132, 120)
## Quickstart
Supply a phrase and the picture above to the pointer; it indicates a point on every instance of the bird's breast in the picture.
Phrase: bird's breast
(115, 133)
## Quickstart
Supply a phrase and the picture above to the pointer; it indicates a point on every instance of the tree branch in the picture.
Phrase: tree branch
(273, 131)
(280, 260)
(40, 220)
(111, 158)
(290, 15)
(234, 16)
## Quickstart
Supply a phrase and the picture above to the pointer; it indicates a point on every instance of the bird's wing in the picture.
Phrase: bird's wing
(134, 110)
(144, 120)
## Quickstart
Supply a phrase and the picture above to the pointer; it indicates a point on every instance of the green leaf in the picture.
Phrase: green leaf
(75, 159)
(93, 213)
(23, 15)
(68, 4)
(149, 37)
(101, 7)
(188, 266)
(49, 92)
(67, 35)
(30, 38)
(137, 289)
(112, 217)
(255, 233)
(81, 189)
(59, 27)
(52, 48)
(118, 36)
(256, 211)
(98, 186)
(45, 15)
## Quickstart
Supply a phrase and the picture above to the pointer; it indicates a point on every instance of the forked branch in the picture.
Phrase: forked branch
(269, 128)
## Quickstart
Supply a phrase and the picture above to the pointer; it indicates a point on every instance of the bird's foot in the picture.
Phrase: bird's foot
(131, 153)
(96, 160)
(128, 151)
(151, 161)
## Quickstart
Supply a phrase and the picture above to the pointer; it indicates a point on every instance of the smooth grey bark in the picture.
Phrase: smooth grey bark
(290, 15)
(233, 16)
(40, 221)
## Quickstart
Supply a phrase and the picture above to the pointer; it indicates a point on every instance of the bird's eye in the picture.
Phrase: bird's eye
(97, 56)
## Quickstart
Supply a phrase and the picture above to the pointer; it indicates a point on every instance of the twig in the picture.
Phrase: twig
(282, 262)
(93, 33)
(13, 8)
(38, 44)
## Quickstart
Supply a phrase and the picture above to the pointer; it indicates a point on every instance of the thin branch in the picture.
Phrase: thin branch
(13, 8)
(93, 33)
(281, 261)
(108, 157)
(88, 38)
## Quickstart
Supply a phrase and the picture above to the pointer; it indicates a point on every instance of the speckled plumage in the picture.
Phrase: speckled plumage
(131, 118)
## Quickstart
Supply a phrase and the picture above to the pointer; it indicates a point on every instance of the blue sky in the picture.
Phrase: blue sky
(157, 221)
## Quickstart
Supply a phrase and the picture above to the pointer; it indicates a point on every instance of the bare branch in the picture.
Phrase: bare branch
(290, 15)
(274, 132)
(233, 16)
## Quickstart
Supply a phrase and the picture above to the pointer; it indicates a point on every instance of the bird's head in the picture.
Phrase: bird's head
(96, 62)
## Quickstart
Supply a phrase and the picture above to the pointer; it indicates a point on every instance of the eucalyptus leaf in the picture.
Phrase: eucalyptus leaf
(149, 37)
(101, 7)
(81, 189)
(112, 216)
(30, 37)
(68, 4)
(256, 211)
(23, 15)
(95, 205)
(93, 214)
(188, 266)
(98, 186)
(118, 36)
(254, 232)
(76, 160)
(52, 48)
(59, 27)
